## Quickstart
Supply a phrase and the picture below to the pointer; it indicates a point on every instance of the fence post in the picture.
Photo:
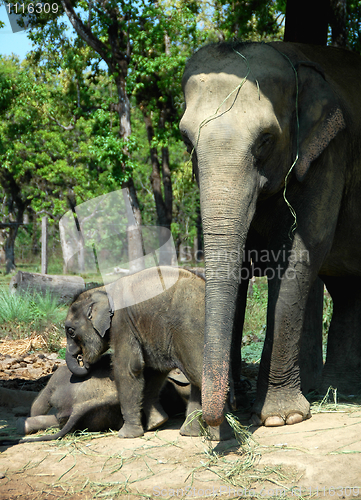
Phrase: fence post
(44, 245)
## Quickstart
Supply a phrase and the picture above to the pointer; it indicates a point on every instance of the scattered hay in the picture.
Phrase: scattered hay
(330, 403)
(16, 348)
(35, 342)
(238, 467)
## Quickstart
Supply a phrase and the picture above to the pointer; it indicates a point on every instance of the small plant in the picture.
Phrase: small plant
(14, 307)
(23, 315)
(61, 353)
(327, 313)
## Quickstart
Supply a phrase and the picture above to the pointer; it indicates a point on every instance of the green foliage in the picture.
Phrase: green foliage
(327, 313)
(353, 23)
(62, 353)
(38, 162)
(255, 20)
(186, 202)
(254, 330)
(59, 110)
(25, 315)
(33, 310)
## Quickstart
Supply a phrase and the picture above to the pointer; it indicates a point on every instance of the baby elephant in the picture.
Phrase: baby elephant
(80, 403)
(161, 333)
(92, 403)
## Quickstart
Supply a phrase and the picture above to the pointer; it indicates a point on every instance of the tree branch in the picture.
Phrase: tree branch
(64, 127)
(85, 32)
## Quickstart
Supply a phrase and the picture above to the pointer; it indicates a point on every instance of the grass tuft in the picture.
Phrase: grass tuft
(27, 315)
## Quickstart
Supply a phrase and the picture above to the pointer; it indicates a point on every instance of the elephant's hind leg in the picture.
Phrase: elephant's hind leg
(279, 398)
(155, 416)
(191, 425)
(342, 369)
(25, 426)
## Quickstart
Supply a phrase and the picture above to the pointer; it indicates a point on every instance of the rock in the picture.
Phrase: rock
(10, 361)
(52, 355)
(34, 372)
(64, 288)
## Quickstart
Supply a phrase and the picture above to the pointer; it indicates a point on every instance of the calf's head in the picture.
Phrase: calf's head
(87, 330)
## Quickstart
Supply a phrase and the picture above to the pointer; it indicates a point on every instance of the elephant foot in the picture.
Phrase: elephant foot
(30, 425)
(131, 431)
(221, 433)
(281, 410)
(191, 427)
(156, 417)
(194, 429)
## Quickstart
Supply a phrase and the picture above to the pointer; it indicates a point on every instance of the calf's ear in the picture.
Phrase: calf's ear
(100, 312)
(320, 116)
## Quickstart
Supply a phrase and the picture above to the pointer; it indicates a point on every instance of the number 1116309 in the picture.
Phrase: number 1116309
(31, 8)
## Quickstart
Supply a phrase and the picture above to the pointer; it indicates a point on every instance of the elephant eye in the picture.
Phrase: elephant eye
(70, 332)
(263, 146)
(187, 142)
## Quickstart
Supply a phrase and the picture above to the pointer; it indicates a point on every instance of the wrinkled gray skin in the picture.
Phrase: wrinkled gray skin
(241, 159)
(91, 402)
(311, 353)
(161, 333)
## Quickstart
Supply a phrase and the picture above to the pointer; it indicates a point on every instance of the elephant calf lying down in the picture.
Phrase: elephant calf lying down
(161, 333)
(92, 403)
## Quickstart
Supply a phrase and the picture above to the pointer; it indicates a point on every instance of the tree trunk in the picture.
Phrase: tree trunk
(167, 185)
(34, 236)
(163, 205)
(155, 178)
(307, 21)
(44, 245)
(62, 287)
(69, 246)
(338, 23)
(117, 59)
(2, 246)
(9, 247)
(134, 231)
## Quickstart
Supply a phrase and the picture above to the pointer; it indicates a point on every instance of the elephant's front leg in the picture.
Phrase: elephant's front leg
(128, 368)
(279, 398)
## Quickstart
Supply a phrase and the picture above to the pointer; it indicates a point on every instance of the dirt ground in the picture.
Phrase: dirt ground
(319, 458)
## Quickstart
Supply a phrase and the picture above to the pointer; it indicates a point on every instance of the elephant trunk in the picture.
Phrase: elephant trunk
(228, 204)
(73, 358)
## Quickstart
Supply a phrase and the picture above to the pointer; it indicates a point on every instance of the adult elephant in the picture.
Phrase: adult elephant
(275, 133)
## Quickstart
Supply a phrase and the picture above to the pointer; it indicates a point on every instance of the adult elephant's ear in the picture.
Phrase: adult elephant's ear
(320, 116)
(100, 312)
